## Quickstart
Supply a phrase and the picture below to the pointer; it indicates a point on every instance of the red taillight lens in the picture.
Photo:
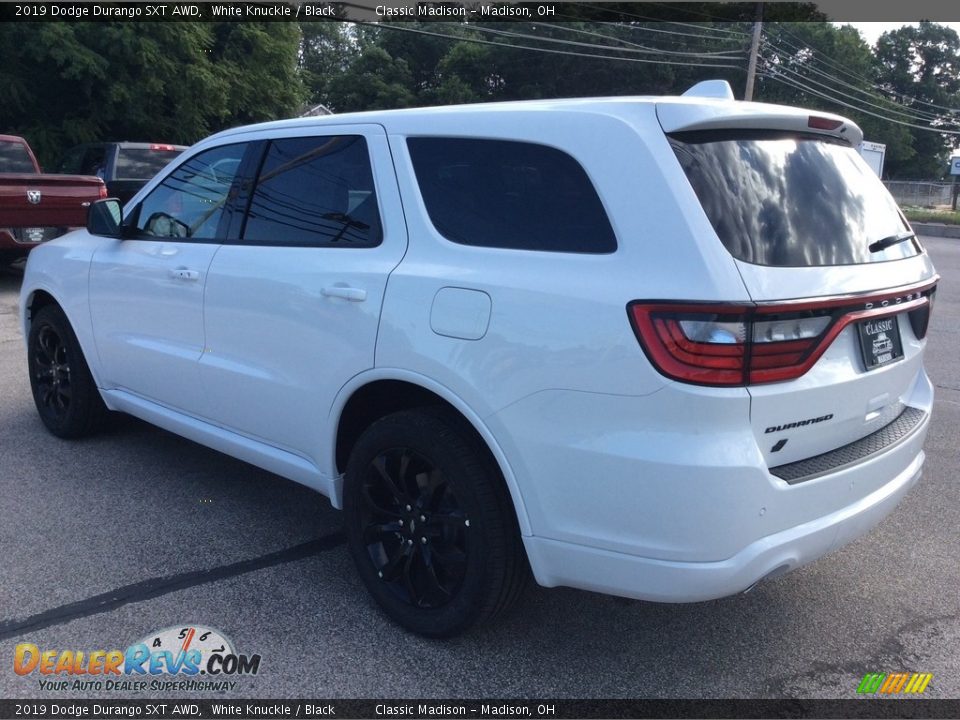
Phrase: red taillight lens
(103, 192)
(730, 345)
(156, 146)
(823, 123)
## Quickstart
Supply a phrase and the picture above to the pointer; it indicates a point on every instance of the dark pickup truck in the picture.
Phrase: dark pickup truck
(124, 166)
(35, 207)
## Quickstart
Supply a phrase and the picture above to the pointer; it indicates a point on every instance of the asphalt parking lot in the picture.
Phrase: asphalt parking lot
(105, 541)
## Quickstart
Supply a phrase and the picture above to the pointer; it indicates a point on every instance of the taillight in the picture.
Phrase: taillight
(103, 192)
(157, 146)
(920, 318)
(818, 122)
(745, 344)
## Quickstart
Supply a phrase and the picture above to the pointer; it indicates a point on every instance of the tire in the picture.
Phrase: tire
(455, 558)
(65, 394)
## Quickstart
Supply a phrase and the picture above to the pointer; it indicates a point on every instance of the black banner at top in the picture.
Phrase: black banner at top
(504, 709)
(456, 10)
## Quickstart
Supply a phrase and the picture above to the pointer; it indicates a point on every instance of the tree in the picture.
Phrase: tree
(921, 67)
(65, 83)
(822, 67)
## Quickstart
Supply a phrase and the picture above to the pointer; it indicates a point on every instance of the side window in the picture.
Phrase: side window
(507, 194)
(315, 192)
(190, 200)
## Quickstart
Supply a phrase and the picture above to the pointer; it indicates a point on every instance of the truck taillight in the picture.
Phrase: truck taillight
(103, 192)
(728, 345)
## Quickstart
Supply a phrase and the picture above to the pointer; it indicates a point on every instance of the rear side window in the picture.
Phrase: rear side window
(315, 192)
(792, 200)
(14, 158)
(507, 194)
(143, 163)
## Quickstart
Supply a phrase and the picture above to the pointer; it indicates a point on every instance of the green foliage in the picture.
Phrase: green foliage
(921, 66)
(921, 215)
(792, 74)
(65, 83)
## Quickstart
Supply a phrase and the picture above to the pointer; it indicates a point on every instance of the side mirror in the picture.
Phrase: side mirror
(104, 218)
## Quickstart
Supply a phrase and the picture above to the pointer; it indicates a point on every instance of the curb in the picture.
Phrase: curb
(936, 230)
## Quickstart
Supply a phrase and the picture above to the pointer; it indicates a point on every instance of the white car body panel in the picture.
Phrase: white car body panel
(623, 480)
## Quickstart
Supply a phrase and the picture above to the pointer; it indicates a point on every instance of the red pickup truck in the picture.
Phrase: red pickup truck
(35, 207)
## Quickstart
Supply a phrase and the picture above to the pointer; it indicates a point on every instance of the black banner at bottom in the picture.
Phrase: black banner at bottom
(480, 709)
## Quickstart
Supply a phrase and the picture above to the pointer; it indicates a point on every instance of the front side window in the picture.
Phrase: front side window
(315, 192)
(788, 200)
(189, 202)
(508, 194)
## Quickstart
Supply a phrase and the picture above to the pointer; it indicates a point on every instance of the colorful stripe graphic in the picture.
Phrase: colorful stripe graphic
(894, 683)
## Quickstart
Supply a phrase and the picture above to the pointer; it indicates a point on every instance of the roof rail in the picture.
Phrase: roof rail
(711, 89)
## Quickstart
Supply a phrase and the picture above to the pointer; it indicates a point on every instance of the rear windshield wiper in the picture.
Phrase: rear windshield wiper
(888, 241)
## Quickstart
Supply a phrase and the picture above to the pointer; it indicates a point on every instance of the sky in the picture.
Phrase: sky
(873, 30)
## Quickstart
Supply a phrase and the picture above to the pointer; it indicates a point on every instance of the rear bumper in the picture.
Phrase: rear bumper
(630, 497)
(560, 563)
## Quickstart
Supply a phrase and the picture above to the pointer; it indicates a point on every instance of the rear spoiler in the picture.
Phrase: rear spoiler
(708, 106)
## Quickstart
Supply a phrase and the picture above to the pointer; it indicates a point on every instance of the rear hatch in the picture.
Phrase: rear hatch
(841, 288)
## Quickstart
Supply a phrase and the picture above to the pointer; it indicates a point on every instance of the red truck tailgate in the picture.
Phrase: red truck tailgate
(29, 200)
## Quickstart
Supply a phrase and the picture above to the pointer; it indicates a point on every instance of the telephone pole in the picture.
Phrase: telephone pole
(754, 49)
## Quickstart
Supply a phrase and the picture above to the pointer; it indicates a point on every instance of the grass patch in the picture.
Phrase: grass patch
(932, 216)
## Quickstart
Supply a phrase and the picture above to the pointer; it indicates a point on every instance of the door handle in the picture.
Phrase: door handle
(184, 274)
(346, 293)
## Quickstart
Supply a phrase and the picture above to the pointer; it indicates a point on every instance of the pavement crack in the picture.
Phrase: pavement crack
(155, 587)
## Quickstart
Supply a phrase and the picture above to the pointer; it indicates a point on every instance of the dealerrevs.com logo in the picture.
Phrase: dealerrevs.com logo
(180, 658)
(894, 683)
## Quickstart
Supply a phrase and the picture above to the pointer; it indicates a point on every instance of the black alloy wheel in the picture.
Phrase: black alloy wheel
(414, 528)
(430, 523)
(64, 392)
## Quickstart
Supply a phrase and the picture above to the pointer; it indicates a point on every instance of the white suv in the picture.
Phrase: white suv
(663, 348)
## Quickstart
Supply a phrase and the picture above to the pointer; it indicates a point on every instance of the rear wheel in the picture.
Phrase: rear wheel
(430, 524)
(65, 394)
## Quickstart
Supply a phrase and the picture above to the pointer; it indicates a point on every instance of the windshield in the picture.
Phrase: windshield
(142, 163)
(792, 200)
(14, 158)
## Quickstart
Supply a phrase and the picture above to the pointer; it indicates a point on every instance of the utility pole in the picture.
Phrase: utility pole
(754, 49)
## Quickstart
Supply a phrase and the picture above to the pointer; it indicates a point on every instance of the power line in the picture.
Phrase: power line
(555, 51)
(635, 49)
(908, 113)
(806, 88)
(829, 62)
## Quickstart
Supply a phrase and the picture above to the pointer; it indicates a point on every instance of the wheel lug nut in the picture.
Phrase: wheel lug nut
(401, 523)
(423, 518)
(423, 541)
(467, 523)
(380, 574)
(409, 508)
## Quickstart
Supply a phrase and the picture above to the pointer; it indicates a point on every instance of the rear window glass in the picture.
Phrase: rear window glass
(507, 194)
(792, 200)
(315, 192)
(142, 163)
(14, 158)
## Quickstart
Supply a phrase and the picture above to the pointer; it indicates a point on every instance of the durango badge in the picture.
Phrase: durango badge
(798, 423)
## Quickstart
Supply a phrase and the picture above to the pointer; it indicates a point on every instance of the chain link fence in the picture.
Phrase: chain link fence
(920, 194)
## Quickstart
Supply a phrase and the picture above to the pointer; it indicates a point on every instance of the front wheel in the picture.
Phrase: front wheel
(430, 524)
(65, 394)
